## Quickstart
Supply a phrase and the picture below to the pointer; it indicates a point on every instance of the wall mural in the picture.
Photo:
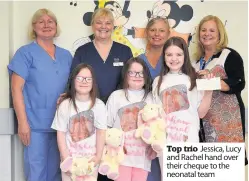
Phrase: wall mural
(123, 34)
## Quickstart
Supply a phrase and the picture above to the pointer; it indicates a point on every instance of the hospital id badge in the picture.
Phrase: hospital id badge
(117, 64)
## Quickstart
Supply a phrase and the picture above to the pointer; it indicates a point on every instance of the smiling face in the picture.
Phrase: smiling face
(83, 82)
(135, 78)
(102, 28)
(174, 58)
(45, 27)
(157, 33)
(209, 34)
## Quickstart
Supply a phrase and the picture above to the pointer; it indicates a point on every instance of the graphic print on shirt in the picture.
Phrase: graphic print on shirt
(81, 125)
(129, 115)
(177, 129)
(128, 120)
(175, 98)
(223, 120)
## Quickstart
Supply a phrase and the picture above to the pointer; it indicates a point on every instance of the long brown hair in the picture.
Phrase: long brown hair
(187, 67)
(146, 73)
(71, 92)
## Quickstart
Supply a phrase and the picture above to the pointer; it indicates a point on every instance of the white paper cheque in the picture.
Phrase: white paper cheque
(208, 84)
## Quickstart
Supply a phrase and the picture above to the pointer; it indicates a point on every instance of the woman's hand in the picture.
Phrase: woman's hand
(208, 76)
(202, 73)
(24, 133)
(60, 98)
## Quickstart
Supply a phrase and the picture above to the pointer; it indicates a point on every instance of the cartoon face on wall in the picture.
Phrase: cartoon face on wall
(170, 10)
(121, 13)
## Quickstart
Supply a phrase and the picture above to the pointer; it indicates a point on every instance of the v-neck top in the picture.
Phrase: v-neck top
(154, 72)
(108, 73)
(45, 79)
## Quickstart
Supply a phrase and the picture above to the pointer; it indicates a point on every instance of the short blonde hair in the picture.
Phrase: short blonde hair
(37, 15)
(223, 38)
(102, 12)
(154, 20)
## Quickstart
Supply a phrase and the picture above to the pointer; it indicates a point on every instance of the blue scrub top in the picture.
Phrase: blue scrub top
(108, 73)
(45, 79)
(154, 72)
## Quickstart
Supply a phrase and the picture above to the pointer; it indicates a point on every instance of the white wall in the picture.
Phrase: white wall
(70, 20)
(15, 17)
(4, 55)
(5, 155)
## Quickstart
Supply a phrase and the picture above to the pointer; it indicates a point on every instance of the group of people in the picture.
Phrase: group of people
(63, 102)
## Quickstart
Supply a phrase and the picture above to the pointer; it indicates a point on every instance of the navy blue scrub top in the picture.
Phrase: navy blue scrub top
(108, 73)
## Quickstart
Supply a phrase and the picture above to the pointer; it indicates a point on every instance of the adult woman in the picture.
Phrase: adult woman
(39, 72)
(107, 57)
(225, 121)
(157, 31)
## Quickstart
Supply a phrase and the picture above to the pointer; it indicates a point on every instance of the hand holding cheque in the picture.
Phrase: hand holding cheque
(207, 81)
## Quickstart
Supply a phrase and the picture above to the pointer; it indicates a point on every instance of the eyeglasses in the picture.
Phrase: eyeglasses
(81, 79)
(134, 74)
(47, 23)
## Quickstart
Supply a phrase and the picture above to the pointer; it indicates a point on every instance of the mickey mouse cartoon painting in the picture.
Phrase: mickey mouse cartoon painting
(164, 9)
(169, 10)
(121, 17)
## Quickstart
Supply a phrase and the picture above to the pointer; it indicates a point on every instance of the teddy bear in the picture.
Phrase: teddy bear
(113, 153)
(79, 167)
(152, 127)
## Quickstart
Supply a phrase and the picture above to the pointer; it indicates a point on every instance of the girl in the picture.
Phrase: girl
(123, 107)
(175, 89)
(80, 120)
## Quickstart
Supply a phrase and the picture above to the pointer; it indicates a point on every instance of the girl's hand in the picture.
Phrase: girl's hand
(96, 160)
(151, 153)
(24, 133)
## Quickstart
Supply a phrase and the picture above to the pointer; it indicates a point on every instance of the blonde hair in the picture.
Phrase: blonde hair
(223, 38)
(154, 20)
(102, 12)
(37, 15)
